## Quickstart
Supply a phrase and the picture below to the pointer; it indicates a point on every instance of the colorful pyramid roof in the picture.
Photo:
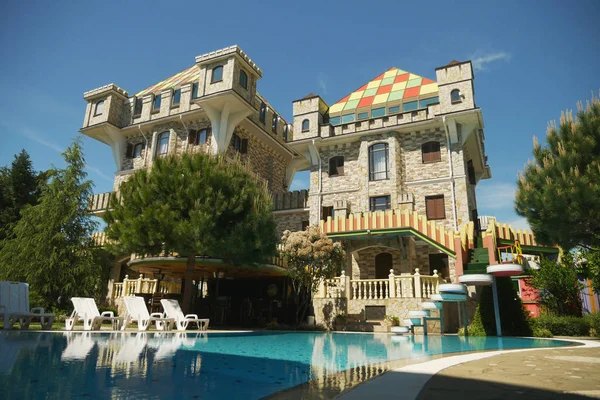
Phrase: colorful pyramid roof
(393, 87)
(175, 81)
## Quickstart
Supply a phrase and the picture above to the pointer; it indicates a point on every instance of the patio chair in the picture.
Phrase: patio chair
(14, 307)
(172, 310)
(136, 310)
(85, 309)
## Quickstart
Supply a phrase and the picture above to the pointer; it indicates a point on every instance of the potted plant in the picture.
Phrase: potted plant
(389, 321)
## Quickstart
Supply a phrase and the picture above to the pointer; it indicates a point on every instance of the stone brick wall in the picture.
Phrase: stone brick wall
(289, 220)
(364, 261)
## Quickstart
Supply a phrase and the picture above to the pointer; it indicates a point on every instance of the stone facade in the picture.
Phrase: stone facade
(292, 220)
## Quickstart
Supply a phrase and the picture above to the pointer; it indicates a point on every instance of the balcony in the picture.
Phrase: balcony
(98, 203)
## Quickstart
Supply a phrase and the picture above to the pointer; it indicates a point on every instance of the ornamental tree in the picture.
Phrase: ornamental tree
(51, 246)
(559, 191)
(193, 205)
(311, 257)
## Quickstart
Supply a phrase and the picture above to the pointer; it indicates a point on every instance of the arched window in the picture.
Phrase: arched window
(430, 152)
(243, 79)
(305, 125)
(378, 162)
(99, 108)
(162, 144)
(217, 74)
(455, 96)
(383, 264)
(336, 166)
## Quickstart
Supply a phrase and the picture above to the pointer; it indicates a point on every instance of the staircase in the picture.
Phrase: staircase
(477, 260)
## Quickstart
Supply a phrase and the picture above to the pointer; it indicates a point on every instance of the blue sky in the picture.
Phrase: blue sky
(532, 60)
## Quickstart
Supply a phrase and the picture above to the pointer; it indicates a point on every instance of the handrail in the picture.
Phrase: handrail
(512, 253)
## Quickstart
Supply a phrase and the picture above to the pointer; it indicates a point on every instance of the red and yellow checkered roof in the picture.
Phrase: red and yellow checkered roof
(393, 87)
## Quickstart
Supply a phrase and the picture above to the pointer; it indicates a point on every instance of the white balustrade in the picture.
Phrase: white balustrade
(131, 287)
(369, 289)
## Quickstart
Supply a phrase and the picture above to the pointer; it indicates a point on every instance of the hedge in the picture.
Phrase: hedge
(563, 326)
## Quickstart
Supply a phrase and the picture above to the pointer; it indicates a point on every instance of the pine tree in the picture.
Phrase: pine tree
(51, 246)
(193, 205)
(20, 186)
(559, 191)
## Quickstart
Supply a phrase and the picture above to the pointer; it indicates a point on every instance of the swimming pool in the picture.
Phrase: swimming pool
(247, 365)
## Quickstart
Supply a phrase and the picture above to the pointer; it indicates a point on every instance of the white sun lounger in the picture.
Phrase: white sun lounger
(172, 310)
(137, 311)
(14, 307)
(85, 309)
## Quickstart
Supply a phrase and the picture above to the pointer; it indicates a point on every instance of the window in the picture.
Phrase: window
(347, 118)
(217, 74)
(263, 112)
(162, 144)
(336, 166)
(197, 137)
(305, 125)
(286, 130)
(471, 172)
(274, 123)
(435, 208)
(410, 106)
(328, 212)
(243, 79)
(455, 96)
(240, 145)
(431, 152)
(176, 97)
(156, 103)
(305, 225)
(378, 112)
(137, 108)
(99, 108)
(137, 150)
(195, 90)
(379, 203)
(378, 162)
(394, 109)
(425, 102)
(364, 115)
(334, 120)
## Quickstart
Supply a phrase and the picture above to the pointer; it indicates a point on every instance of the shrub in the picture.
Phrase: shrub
(562, 325)
(390, 320)
(114, 310)
(594, 322)
(513, 316)
(542, 332)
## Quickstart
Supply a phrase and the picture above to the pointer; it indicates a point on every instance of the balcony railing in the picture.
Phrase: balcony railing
(395, 286)
(130, 287)
(98, 203)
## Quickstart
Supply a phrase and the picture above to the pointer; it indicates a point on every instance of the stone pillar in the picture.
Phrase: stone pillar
(406, 201)
(392, 277)
(417, 283)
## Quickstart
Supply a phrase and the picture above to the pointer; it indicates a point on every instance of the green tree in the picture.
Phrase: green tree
(51, 246)
(20, 186)
(558, 192)
(558, 285)
(194, 205)
(311, 257)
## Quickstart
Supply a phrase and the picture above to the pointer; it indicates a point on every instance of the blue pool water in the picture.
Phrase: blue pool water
(152, 365)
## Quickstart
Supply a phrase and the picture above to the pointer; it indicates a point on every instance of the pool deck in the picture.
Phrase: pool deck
(544, 373)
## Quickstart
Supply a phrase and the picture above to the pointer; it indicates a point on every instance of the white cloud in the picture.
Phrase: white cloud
(322, 83)
(37, 138)
(479, 60)
(518, 223)
(496, 196)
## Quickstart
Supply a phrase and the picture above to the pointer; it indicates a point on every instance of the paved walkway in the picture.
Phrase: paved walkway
(561, 373)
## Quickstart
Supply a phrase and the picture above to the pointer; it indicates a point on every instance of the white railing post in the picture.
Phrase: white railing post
(417, 283)
(321, 292)
(126, 283)
(138, 287)
(392, 288)
(344, 285)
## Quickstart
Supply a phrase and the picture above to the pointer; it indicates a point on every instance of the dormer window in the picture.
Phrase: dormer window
(137, 108)
(243, 79)
(195, 90)
(176, 97)
(274, 123)
(217, 74)
(156, 103)
(99, 108)
(263, 112)
(305, 125)
(286, 129)
(455, 96)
